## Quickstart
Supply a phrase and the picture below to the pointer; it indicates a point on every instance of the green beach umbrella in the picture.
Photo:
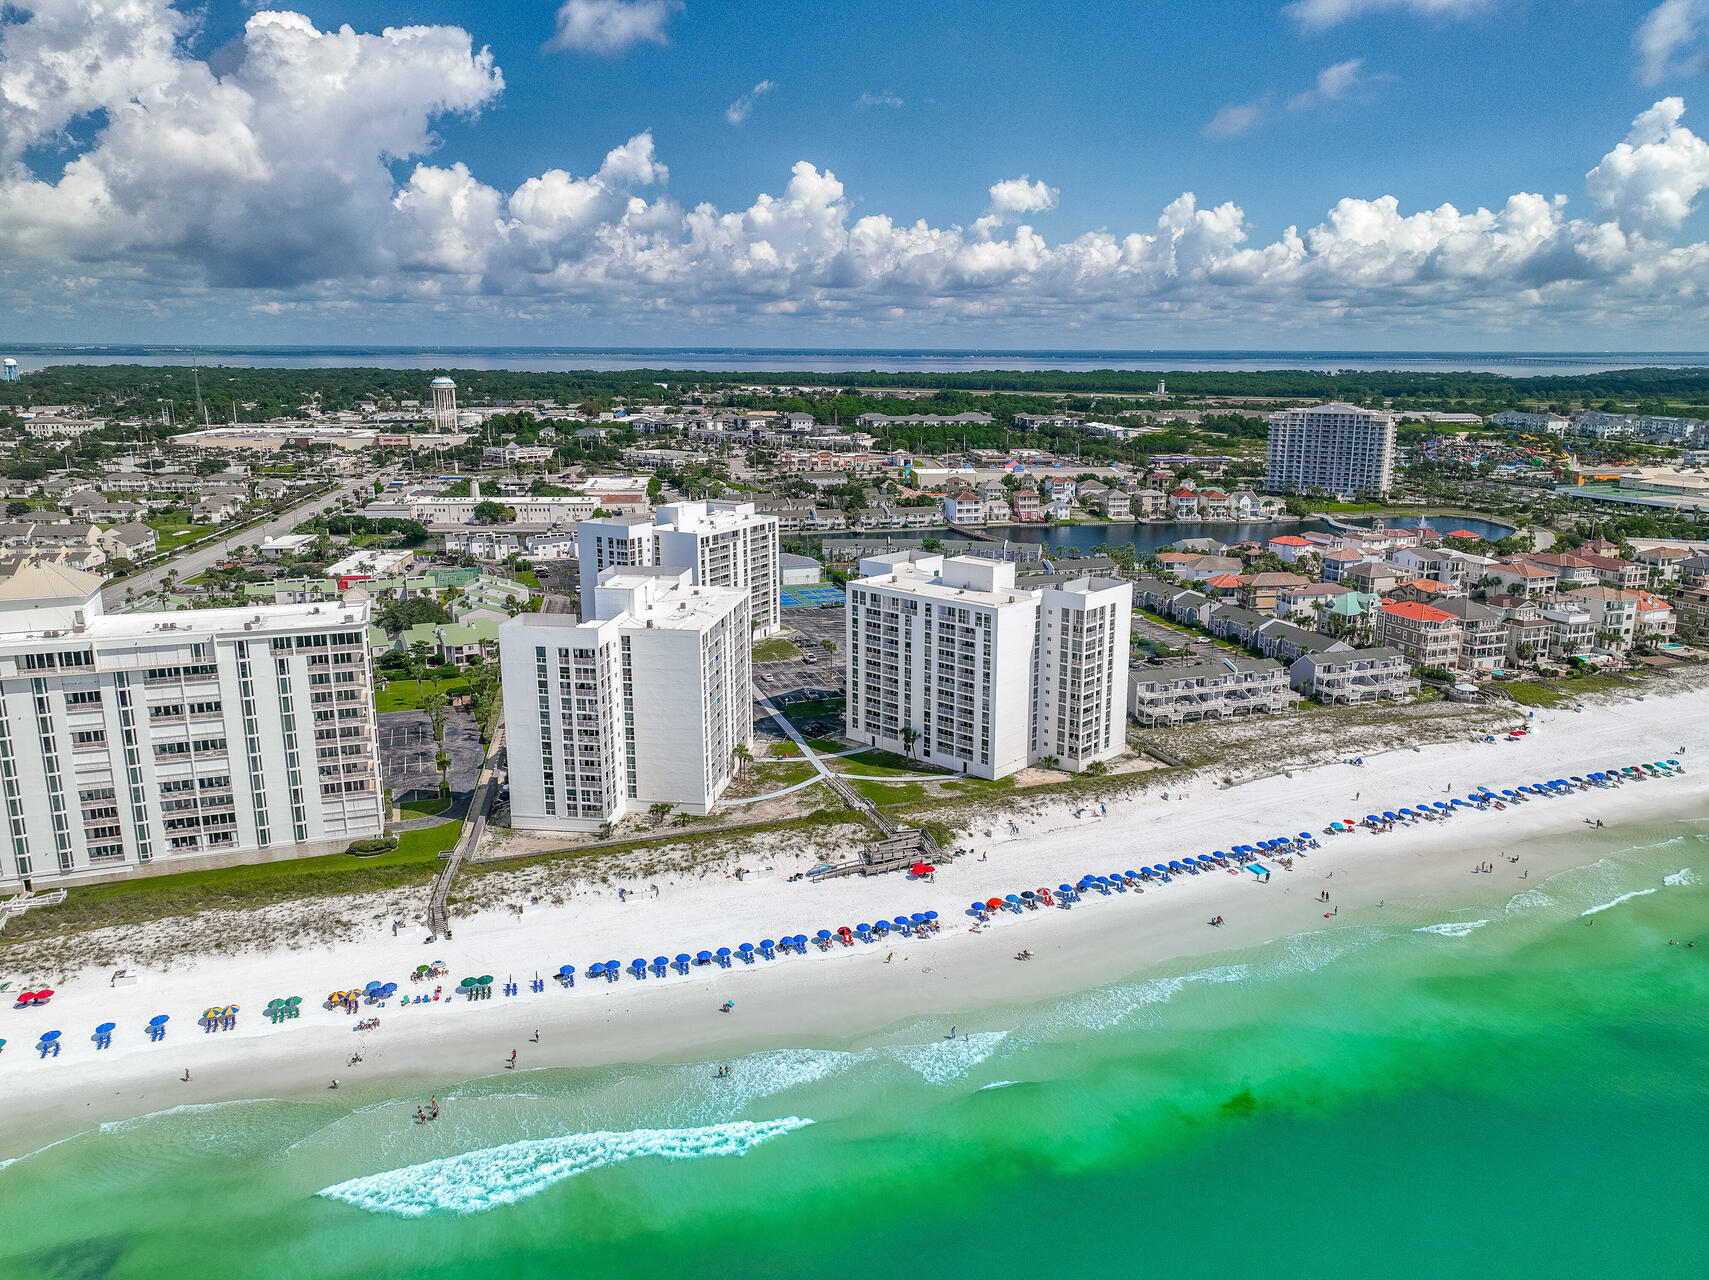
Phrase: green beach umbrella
(469, 982)
(486, 979)
(294, 1000)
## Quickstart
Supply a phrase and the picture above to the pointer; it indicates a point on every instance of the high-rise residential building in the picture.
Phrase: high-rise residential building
(644, 702)
(950, 663)
(612, 542)
(1337, 448)
(137, 739)
(723, 544)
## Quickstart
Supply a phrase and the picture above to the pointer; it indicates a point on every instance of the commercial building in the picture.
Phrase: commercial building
(950, 663)
(1336, 448)
(723, 544)
(645, 702)
(137, 739)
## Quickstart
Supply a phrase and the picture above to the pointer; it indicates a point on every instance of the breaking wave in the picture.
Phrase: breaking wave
(1453, 929)
(480, 1180)
(1679, 879)
(1625, 897)
(946, 1061)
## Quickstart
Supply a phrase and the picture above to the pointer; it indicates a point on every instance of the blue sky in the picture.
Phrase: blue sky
(261, 178)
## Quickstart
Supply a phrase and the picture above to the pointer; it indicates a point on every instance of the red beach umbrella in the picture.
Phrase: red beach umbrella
(920, 868)
(996, 904)
(42, 995)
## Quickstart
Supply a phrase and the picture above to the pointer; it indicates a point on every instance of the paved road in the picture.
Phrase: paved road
(205, 554)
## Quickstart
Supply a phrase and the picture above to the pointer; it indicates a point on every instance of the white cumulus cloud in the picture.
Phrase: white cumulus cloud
(1236, 119)
(1671, 41)
(610, 27)
(1329, 13)
(268, 187)
(1021, 195)
(743, 107)
(1649, 181)
(1334, 84)
(883, 98)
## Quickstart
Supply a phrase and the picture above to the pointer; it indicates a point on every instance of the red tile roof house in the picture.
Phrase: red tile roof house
(1430, 637)
(1289, 547)
(1224, 585)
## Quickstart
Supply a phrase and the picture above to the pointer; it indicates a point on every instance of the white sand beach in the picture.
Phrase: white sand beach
(837, 997)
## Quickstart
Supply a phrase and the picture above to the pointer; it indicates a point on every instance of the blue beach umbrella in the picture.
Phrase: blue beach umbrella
(746, 948)
(1305, 835)
(159, 1020)
(931, 915)
(104, 1028)
(50, 1036)
(800, 940)
(661, 963)
(703, 957)
(723, 951)
(823, 935)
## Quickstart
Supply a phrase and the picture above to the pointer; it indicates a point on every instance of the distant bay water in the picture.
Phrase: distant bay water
(815, 360)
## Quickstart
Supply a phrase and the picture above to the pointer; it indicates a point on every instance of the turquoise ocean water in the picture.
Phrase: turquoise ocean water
(1521, 1090)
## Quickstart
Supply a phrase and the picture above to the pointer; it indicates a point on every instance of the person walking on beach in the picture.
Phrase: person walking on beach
(536, 1035)
(186, 1075)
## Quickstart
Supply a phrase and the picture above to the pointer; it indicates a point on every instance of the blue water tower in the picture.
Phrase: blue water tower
(8, 370)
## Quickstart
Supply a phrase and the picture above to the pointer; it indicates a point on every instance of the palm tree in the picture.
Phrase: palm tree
(438, 707)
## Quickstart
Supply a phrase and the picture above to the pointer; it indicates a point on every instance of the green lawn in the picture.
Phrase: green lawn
(425, 808)
(414, 861)
(426, 844)
(887, 762)
(176, 530)
(776, 649)
(812, 709)
(529, 579)
(400, 694)
(889, 793)
(1529, 694)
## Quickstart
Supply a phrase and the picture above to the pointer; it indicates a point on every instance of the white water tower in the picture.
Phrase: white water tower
(444, 405)
(8, 370)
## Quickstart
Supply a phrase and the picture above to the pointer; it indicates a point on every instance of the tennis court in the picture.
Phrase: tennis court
(815, 596)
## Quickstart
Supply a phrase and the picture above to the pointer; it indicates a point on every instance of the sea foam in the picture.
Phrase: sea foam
(1625, 897)
(1453, 929)
(946, 1061)
(480, 1180)
(1679, 879)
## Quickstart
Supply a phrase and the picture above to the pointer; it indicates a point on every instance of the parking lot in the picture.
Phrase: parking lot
(407, 752)
(818, 672)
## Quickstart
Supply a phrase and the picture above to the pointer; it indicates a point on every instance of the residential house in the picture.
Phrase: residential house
(1337, 560)
(1308, 599)
(1198, 567)
(963, 506)
(1662, 564)
(1613, 614)
(1523, 578)
(1289, 547)
(1483, 634)
(1225, 586)
(1286, 642)
(1572, 630)
(1655, 621)
(1191, 606)
(1112, 504)
(1528, 639)
(134, 541)
(1215, 505)
(1694, 570)
(1184, 504)
(1691, 605)
(1262, 589)
(1026, 506)
(998, 510)
(1223, 686)
(1343, 676)
(1153, 594)
(1148, 504)
(1429, 636)
(1613, 571)
(1231, 622)
(1374, 577)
